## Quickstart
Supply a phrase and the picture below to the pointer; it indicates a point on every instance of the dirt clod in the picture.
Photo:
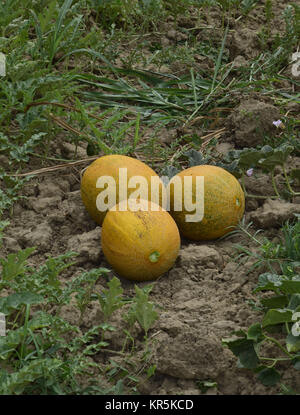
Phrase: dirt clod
(251, 121)
(274, 213)
(87, 245)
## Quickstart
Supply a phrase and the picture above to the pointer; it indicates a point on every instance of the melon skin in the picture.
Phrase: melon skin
(142, 245)
(224, 204)
(109, 166)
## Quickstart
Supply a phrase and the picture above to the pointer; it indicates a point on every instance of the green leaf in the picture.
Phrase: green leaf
(106, 326)
(292, 286)
(10, 342)
(244, 350)
(296, 362)
(279, 301)
(277, 316)
(268, 281)
(15, 264)
(294, 302)
(255, 333)
(167, 173)
(144, 310)
(21, 153)
(204, 385)
(195, 158)
(249, 158)
(14, 301)
(276, 282)
(278, 158)
(292, 343)
(16, 383)
(3, 225)
(295, 174)
(151, 371)
(269, 376)
(119, 387)
(231, 167)
(94, 348)
(111, 299)
(40, 320)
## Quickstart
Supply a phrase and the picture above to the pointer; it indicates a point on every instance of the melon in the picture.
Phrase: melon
(140, 245)
(222, 198)
(98, 196)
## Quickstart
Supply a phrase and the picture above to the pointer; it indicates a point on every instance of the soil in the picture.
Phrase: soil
(201, 300)
(205, 296)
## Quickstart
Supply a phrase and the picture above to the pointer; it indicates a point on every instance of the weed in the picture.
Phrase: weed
(285, 253)
(40, 358)
(279, 308)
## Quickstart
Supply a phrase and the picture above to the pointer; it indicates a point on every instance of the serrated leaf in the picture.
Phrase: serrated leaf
(111, 300)
(94, 348)
(40, 320)
(232, 155)
(144, 310)
(232, 167)
(15, 263)
(106, 326)
(3, 225)
(167, 173)
(10, 342)
(21, 153)
(195, 158)
(15, 383)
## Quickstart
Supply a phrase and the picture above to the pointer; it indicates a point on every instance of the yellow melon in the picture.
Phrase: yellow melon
(223, 202)
(140, 245)
(93, 191)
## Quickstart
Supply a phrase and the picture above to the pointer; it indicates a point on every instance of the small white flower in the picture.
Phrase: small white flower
(277, 123)
(249, 172)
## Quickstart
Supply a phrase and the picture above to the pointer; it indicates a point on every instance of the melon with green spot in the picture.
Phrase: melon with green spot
(224, 202)
(140, 245)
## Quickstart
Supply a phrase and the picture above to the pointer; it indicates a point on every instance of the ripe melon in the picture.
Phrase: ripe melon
(224, 203)
(140, 245)
(109, 166)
